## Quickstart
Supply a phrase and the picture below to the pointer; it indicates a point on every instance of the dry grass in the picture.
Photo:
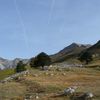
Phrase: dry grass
(51, 82)
(11, 90)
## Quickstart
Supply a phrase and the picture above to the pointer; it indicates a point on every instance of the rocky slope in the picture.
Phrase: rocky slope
(69, 52)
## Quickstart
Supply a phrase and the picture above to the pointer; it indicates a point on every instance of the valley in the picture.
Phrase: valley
(45, 85)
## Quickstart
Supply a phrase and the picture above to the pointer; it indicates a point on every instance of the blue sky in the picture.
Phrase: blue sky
(28, 27)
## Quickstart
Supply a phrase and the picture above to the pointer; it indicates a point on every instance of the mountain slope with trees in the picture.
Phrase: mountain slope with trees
(71, 51)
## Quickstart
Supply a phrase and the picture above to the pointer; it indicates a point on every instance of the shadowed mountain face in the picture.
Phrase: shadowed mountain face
(95, 49)
(69, 52)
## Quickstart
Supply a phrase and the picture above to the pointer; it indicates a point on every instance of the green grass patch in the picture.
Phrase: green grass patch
(5, 73)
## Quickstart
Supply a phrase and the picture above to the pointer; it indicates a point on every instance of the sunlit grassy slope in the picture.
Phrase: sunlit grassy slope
(6, 73)
(49, 83)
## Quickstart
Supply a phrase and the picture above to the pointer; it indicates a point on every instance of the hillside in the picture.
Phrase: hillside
(67, 55)
(68, 52)
(50, 84)
(47, 85)
(95, 49)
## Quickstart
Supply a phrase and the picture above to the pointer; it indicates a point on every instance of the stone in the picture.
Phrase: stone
(63, 74)
(37, 97)
(51, 74)
(70, 90)
(35, 75)
(89, 95)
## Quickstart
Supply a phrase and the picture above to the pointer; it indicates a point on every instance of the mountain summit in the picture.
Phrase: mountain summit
(70, 51)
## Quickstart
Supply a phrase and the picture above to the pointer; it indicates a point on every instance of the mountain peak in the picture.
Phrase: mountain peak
(70, 51)
(76, 44)
(80, 45)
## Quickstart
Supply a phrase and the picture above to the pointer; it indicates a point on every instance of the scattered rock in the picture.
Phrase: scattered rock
(70, 90)
(35, 75)
(37, 97)
(63, 74)
(12, 77)
(59, 69)
(83, 96)
(88, 96)
(45, 68)
(51, 74)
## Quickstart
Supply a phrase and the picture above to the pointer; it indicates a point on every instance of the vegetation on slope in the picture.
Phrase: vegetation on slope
(46, 84)
(5, 73)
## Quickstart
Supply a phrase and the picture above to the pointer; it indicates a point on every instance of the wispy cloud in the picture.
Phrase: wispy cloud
(51, 10)
(25, 38)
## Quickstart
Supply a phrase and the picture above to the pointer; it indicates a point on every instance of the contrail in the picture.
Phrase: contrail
(51, 10)
(22, 24)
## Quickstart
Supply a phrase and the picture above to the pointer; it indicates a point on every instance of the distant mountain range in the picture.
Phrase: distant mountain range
(70, 52)
(5, 63)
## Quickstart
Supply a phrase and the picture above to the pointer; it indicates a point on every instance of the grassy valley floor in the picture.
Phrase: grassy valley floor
(44, 85)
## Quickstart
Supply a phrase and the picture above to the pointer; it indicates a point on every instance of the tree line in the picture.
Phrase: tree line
(40, 60)
(43, 59)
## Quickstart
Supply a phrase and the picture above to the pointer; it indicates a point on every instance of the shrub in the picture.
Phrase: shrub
(86, 56)
(20, 67)
(41, 60)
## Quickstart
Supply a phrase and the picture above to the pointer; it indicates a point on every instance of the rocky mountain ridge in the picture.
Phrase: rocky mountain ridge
(5, 63)
(71, 51)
